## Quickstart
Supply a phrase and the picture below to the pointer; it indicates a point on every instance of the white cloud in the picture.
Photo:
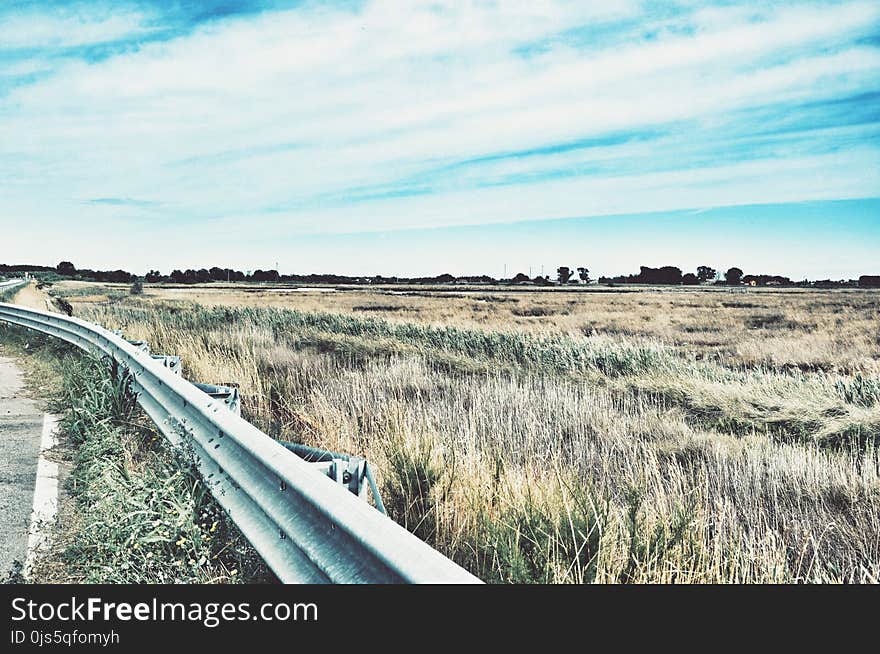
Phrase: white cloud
(366, 98)
(58, 29)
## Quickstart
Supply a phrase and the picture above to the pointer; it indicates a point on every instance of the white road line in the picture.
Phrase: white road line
(45, 496)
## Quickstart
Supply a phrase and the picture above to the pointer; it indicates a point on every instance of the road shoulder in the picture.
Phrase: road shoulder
(33, 455)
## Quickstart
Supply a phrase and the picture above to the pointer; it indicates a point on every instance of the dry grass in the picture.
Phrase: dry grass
(685, 436)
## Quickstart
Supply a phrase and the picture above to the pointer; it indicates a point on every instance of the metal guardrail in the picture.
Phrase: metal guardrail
(306, 527)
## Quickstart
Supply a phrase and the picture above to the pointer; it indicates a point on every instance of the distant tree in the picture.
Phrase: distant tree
(225, 275)
(690, 279)
(829, 283)
(733, 276)
(584, 274)
(66, 268)
(869, 281)
(177, 276)
(120, 276)
(265, 276)
(663, 275)
(705, 273)
(563, 274)
(153, 276)
(521, 278)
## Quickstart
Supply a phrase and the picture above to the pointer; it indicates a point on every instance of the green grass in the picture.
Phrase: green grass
(112, 293)
(7, 294)
(144, 515)
(558, 354)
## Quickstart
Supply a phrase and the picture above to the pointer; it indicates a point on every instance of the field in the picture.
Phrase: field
(601, 435)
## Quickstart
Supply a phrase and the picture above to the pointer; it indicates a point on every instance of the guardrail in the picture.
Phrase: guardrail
(306, 527)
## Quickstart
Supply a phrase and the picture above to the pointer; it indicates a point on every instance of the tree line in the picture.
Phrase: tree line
(67, 269)
(664, 275)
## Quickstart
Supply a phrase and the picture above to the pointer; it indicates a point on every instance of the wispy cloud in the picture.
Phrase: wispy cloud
(286, 118)
(122, 202)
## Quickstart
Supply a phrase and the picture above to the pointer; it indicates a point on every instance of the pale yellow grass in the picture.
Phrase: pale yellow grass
(830, 330)
(522, 476)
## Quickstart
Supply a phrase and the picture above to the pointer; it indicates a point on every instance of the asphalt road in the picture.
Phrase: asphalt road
(21, 424)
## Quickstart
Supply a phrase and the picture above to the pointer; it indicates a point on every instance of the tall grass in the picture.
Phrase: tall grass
(834, 331)
(788, 405)
(532, 458)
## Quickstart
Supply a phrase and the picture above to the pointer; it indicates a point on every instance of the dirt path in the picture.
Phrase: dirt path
(32, 297)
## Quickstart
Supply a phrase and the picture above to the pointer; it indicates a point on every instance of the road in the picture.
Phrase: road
(21, 426)
(31, 297)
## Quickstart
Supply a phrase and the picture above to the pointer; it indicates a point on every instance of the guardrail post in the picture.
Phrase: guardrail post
(172, 362)
(228, 394)
(143, 346)
(353, 472)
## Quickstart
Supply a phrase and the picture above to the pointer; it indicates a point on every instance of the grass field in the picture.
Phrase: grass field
(616, 435)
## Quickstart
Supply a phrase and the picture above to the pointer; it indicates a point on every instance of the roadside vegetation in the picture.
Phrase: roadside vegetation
(133, 510)
(557, 455)
(6, 294)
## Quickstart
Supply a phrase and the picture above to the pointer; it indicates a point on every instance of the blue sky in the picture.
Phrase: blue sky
(419, 138)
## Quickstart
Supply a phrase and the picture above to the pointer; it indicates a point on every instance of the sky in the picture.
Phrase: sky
(418, 138)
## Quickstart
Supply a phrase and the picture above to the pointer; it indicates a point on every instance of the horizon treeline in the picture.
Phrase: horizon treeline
(665, 275)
